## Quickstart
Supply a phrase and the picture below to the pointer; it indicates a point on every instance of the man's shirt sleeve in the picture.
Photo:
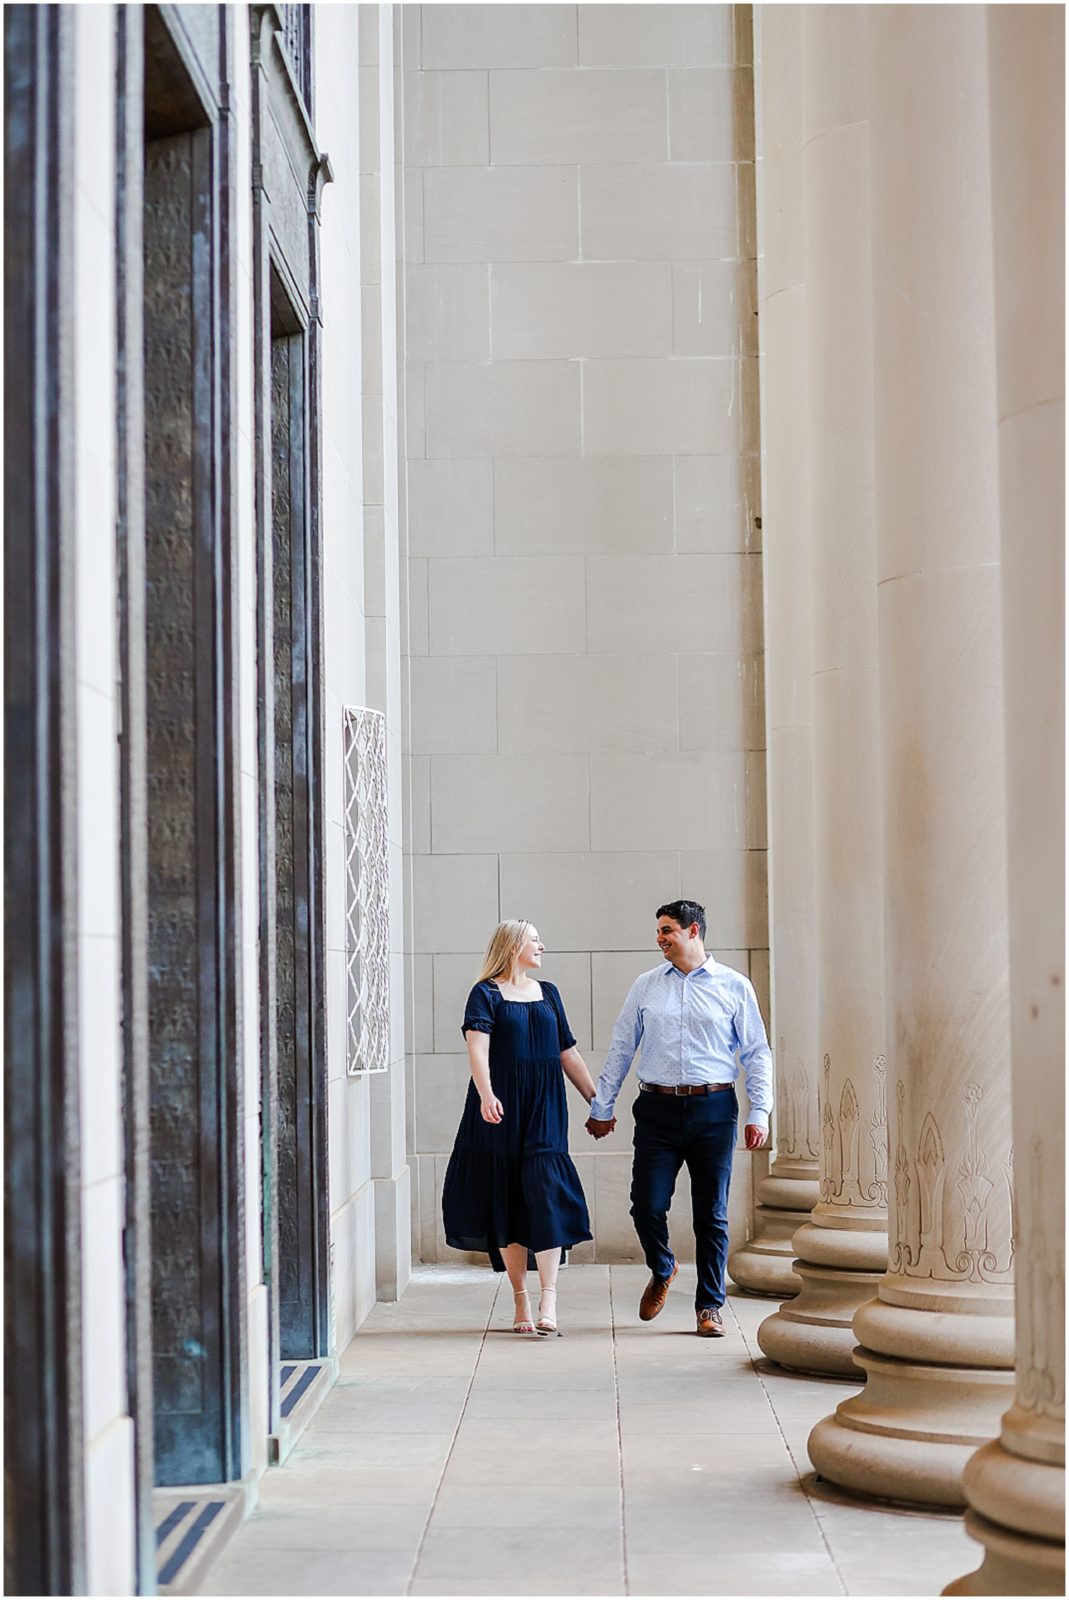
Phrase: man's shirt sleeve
(626, 1037)
(755, 1056)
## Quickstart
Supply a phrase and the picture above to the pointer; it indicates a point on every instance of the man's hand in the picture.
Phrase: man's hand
(755, 1136)
(598, 1129)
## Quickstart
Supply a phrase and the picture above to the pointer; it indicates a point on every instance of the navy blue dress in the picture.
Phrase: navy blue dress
(513, 1181)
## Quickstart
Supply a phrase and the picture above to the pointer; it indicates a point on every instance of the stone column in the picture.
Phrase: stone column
(937, 1341)
(763, 1264)
(1016, 1485)
(842, 1249)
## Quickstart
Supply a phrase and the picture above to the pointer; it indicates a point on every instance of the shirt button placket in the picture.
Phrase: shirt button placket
(682, 1025)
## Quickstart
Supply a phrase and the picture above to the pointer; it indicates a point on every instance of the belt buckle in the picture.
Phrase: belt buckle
(681, 1088)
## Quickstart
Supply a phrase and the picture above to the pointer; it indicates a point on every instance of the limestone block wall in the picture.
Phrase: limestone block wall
(584, 649)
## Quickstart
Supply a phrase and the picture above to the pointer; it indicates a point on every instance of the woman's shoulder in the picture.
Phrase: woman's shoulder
(480, 1010)
(484, 987)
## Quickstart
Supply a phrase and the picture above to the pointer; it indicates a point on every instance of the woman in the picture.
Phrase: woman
(511, 1185)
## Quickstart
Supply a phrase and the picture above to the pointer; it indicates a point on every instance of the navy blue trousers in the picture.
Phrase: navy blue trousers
(700, 1131)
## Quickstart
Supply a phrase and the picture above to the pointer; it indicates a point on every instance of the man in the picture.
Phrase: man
(689, 1016)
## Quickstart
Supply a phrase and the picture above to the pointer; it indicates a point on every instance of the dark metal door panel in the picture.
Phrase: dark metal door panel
(186, 954)
(297, 1265)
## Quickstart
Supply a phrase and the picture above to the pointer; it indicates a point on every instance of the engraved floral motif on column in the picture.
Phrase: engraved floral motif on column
(903, 1254)
(976, 1188)
(877, 1191)
(855, 1168)
(931, 1178)
(849, 1145)
(829, 1176)
(1041, 1297)
(797, 1138)
(950, 1220)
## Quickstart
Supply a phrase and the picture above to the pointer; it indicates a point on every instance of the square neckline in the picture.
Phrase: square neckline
(493, 984)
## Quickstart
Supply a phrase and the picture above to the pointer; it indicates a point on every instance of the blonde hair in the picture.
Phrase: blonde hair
(506, 942)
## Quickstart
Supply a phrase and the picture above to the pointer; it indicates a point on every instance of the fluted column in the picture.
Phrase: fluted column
(763, 1264)
(842, 1249)
(937, 1341)
(1016, 1485)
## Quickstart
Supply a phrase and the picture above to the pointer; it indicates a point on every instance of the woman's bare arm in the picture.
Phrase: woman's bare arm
(577, 1072)
(479, 1060)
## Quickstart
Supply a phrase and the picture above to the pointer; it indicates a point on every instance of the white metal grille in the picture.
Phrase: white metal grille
(367, 892)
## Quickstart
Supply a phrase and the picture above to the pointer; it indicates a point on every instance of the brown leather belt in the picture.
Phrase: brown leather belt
(683, 1088)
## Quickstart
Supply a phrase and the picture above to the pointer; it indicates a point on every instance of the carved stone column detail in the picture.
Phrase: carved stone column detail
(1016, 1484)
(763, 1264)
(937, 1340)
(842, 1248)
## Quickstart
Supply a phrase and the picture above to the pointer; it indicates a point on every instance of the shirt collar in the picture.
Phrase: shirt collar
(708, 965)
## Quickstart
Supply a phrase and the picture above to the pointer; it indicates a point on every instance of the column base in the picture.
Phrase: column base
(910, 1432)
(763, 1265)
(1013, 1563)
(843, 1242)
(952, 1325)
(1017, 1509)
(781, 1193)
(814, 1332)
(1018, 1494)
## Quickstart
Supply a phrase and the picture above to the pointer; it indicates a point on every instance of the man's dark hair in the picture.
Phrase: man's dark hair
(685, 912)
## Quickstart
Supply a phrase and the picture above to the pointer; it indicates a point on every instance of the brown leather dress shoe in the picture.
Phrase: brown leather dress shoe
(654, 1296)
(710, 1323)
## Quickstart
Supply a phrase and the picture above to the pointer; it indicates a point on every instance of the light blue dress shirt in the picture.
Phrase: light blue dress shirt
(689, 1026)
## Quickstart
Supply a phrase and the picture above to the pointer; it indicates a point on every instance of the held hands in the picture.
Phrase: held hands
(492, 1109)
(598, 1129)
(755, 1136)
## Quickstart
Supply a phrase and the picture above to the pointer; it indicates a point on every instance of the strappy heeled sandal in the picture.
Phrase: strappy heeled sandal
(522, 1324)
(547, 1324)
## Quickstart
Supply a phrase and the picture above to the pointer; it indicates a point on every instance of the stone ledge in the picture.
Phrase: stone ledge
(193, 1525)
(304, 1387)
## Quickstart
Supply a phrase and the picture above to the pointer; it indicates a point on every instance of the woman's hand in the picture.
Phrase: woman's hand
(491, 1108)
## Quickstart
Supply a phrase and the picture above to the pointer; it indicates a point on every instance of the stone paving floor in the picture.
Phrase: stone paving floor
(456, 1458)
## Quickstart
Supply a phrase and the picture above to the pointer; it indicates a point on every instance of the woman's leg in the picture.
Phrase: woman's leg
(548, 1263)
(515, 1258)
